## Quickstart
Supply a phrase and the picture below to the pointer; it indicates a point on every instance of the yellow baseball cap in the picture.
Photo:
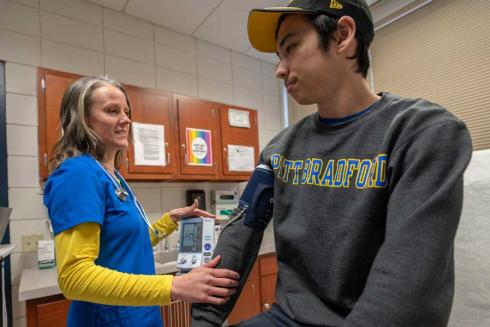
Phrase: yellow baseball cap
(262, 23)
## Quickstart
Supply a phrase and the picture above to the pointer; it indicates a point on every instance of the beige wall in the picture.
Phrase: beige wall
(84, 38)
(298, 111)
(440, 52)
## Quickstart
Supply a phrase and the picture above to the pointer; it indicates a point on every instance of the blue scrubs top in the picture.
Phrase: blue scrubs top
(79, 191)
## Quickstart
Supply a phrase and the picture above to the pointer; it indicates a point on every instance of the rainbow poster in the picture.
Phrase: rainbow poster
(199, 147)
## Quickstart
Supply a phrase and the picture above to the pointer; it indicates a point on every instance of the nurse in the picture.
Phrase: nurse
(102, 235)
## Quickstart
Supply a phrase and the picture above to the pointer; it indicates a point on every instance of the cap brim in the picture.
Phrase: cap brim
(262, 24)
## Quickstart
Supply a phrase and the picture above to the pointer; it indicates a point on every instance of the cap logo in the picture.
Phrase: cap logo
(335, 5)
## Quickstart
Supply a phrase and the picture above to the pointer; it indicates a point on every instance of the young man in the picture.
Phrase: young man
(368, 190)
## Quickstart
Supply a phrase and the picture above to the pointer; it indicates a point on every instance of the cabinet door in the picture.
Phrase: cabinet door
(199, 138)
(268, 291)
(248, 304)
(50, 311)
(155, 110)
(52, 314)
(268, 278)
(239, 141)
(51, 87)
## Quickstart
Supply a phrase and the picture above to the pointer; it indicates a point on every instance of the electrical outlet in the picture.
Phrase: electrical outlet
(29, 242)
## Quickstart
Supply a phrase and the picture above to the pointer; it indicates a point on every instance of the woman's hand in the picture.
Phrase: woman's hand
(190, 211)
(206, 284)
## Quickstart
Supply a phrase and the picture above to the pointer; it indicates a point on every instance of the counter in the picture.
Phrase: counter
(36, 283)
(6, 250)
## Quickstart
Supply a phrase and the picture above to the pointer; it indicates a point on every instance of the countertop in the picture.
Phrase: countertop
(6, 250)
(36, 283)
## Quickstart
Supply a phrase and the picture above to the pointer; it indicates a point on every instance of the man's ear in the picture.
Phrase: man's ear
(346, 34)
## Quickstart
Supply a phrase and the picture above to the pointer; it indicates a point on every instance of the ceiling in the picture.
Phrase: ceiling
(222, 22)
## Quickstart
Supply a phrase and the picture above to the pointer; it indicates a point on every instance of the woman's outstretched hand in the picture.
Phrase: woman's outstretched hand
(206, 284)
(190, 211)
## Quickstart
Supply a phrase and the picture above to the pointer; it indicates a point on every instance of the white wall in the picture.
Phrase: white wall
(472, 258)
(81, 37)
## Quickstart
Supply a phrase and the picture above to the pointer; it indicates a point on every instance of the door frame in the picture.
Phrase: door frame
(4, 187)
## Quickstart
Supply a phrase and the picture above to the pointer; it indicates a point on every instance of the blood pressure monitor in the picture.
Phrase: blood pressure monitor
(196, 239)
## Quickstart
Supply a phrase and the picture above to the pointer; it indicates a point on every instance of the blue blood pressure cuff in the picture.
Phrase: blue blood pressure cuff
(257, 199)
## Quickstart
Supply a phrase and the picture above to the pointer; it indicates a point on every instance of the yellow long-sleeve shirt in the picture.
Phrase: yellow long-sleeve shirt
(79, 278)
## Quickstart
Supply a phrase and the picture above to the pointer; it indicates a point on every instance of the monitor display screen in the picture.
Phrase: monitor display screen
(191, 237)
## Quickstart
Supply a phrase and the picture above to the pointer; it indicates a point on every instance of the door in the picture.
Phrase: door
(239, 140)
(199, 138)
(268, 278)
(152, 150)
(51, 87)
(248, 304)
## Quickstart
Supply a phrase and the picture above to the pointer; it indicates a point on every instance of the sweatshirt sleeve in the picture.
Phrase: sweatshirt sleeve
(238, 246)
(79, 278)
(164, 226)
(411, 282)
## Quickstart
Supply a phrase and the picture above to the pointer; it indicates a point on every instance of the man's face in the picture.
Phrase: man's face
(309, 73)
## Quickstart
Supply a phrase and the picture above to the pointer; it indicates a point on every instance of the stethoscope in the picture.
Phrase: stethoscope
(122, 194)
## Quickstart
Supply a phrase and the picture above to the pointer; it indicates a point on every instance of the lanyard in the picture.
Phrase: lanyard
(122, 194)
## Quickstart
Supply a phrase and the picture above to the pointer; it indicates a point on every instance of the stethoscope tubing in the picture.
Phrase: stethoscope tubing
(118, 188)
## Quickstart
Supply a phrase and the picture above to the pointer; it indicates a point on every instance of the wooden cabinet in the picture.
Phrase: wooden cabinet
(51, 87)
(199, 138)
(248, 304)
(47, 312)
(238, 138)
(197, 133)
(268, 278)
(52, 311)
(258, 293)
(152, 108)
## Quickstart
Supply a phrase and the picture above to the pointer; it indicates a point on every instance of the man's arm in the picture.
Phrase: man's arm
(238, 246)
(411, 282)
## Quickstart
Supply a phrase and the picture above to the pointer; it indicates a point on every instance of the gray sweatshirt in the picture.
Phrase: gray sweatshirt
(365, 216)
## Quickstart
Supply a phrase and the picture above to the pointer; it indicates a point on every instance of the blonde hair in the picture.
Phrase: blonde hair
(77, 137)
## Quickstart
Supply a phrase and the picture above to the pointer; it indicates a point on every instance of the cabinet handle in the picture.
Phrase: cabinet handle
(167, 154)
(225, 159)
(267, 306)
(45, 159)
(253, 289)
(185, 153)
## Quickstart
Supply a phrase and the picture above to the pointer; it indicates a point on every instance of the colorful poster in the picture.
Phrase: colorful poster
(199, 147)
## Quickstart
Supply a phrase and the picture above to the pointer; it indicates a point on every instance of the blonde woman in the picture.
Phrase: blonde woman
(102, 235)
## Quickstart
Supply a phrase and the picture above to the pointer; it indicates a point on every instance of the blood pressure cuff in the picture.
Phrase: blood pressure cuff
(257, 199)
(238, 245)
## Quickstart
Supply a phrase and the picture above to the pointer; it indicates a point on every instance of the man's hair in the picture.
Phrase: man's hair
(77, 137)
(326, 26)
